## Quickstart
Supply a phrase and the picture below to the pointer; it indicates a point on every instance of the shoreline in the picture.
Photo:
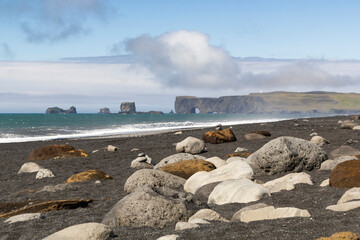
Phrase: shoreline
(24, 187)
(139, 132)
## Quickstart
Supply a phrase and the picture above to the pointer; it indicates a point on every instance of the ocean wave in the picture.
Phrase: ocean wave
(62, 133)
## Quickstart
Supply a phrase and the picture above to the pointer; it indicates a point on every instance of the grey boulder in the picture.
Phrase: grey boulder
(153, 179)
(285, 154)
(144, 207)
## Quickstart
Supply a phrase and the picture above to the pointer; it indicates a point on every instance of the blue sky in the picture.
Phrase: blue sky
(271, 29)
(181, 48)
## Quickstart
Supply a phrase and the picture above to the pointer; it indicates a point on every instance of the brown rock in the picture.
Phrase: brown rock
(264, 133)
(12, 209)
(238, 154)
(88, 175)
(186, 169)
(253, 136)
(341, 236)
(346, 175)
(55, 152)
(220, 136)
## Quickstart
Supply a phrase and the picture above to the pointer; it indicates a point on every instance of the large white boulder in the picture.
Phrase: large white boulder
(218, 162)
(207, 214)
(272, 213)
(30, 167)
(349, 195)
(344, 207)
(285, 154)
(234, 170)
(237, 215)
(288, 182)
(191, 145)
(85, 231)
(237, 191)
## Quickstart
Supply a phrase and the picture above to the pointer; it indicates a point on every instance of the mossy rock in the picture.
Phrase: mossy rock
(187, 168)
(238, 154)
(87, 176)
(55, 152)
(220, 136)
(346, 175)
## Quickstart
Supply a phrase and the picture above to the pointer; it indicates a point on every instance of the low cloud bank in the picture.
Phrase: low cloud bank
(186, 59)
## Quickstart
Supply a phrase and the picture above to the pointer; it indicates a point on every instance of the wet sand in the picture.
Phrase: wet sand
(23, 187)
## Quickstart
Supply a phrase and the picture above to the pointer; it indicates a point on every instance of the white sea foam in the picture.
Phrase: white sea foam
(127, 130)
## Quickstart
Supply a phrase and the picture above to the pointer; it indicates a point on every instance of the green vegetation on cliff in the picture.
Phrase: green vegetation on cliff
(273, 102)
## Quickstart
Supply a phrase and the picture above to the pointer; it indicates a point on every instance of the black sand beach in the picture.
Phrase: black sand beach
(23, 187)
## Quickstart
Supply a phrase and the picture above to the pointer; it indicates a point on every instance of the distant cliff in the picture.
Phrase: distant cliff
(273, 102)
(231, 104)
(56, 110)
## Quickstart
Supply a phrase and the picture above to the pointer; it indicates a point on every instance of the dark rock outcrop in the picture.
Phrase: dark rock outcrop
(56, 110)
(104, 111)
(127, 107)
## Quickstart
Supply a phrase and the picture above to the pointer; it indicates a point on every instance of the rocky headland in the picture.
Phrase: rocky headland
(273, 102)
(294, 179)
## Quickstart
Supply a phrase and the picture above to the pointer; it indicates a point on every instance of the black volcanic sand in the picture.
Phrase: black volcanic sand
(22, 187)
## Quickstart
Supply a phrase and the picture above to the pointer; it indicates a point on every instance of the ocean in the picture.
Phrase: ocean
(42, 127)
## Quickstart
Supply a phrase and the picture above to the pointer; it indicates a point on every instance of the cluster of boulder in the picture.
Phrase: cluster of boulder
(181, 189)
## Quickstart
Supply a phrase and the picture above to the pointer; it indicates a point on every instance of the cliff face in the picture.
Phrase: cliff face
(232, 104)
(273, 102)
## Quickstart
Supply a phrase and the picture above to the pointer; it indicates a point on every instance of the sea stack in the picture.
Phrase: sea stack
(127, 108)
(104, 111)
(56, 110)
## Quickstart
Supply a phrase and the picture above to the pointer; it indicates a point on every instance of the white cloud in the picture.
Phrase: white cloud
(300, 76)
(186, 59)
